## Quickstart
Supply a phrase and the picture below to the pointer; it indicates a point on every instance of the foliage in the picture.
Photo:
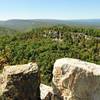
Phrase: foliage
(46, 47)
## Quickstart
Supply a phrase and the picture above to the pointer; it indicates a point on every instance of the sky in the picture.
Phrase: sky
(49, 9)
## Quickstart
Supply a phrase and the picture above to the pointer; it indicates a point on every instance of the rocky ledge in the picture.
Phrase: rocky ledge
(73, 79)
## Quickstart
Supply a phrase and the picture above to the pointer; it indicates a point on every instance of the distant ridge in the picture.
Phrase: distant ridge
(23, 24)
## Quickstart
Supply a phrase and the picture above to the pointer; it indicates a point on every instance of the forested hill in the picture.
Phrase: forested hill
(7, 31)
(26, 25)
(47, 44)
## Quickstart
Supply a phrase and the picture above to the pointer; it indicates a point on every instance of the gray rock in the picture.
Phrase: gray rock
(74, 79)
(20, 82)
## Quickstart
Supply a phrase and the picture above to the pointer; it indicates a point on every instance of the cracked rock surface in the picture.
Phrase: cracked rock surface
(76, 80)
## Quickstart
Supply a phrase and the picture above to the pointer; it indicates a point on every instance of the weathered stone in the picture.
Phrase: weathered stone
(76, 80)
(46, 92)
(20, 82)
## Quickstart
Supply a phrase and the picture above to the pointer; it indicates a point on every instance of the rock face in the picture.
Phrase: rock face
(46, 92)
(72, 80)
(20, 82)
(76, 80)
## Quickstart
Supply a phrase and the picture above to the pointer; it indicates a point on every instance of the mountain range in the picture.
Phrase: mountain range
(25, 25)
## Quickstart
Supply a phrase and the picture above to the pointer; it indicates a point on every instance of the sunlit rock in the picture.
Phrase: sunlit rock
(76, 80)
(20, 82)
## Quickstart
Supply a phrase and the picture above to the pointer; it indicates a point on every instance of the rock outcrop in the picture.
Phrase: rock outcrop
(73, 79)
(20, 82)
(76, 80)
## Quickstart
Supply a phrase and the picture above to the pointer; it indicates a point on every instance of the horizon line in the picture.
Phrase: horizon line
(49, 19)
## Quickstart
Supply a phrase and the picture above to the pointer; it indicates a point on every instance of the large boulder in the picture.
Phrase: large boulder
(20, 82)
(74, 79)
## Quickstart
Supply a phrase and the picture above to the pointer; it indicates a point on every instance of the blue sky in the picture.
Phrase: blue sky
(49, 9)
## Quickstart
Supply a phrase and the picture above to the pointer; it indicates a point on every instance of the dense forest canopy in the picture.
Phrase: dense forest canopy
(47, 44)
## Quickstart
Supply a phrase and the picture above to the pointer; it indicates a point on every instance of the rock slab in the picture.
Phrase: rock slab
(20, 82)
(74, 79)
